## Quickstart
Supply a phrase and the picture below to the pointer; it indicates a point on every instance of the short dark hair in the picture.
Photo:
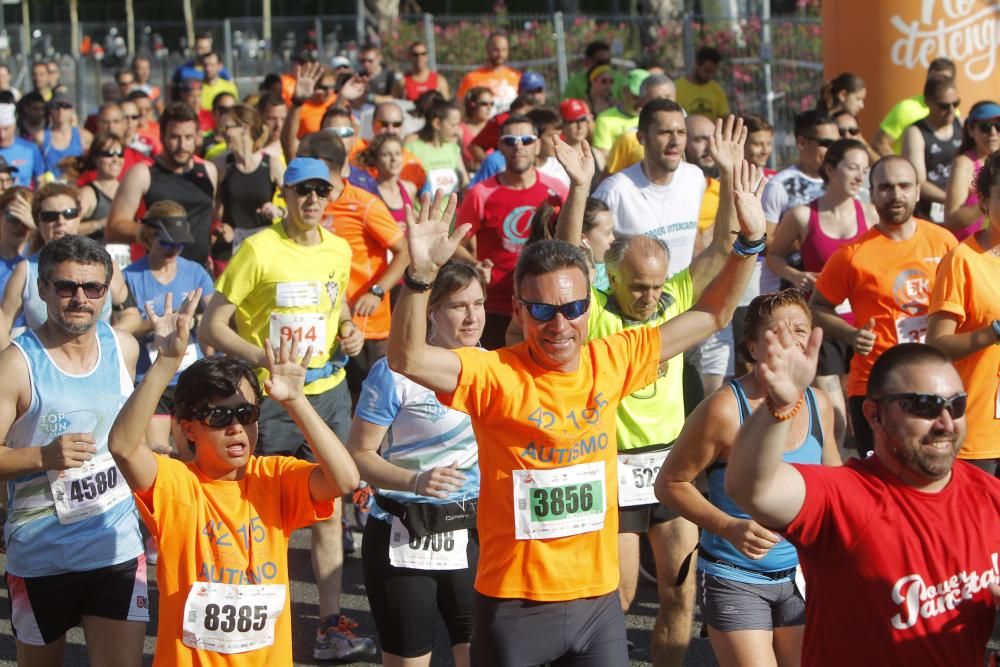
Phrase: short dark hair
(879, 166)
(270, 99)
(936, 85)
(547, 256)
(653, 107)
(212, 54)
(136, 94)
(219, 96)
(211, 377)
(596, 47)
(325, 146)
(756, 123)
(905, 354)
(708, 54)
(807, 122)
(453, 277)
(516, 119)
(544, 118)
(177, 112)
(73, 248)
(940, 65)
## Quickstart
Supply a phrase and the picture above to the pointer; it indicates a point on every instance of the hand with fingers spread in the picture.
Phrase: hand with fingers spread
(354, 87)
(750, 538)
(578, 162)
(748, 187)
(427, 235)
(69, 450)
(172, 329)
(726, 143)
(784, 368)
(306, 78)
(439, 482)
(287, 373)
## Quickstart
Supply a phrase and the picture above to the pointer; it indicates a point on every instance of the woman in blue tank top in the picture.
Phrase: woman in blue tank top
(747, 589)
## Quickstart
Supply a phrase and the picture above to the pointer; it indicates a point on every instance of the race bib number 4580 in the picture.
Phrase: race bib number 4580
(559, 502)
(91, 489)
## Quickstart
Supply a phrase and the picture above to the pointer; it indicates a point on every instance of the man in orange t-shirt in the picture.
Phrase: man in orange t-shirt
(887, 276)
(223, 520)
(497, 76)
(312, 96)
(388, 119)
(543, 412)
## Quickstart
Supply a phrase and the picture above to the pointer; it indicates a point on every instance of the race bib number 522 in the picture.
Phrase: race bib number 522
(559, 502)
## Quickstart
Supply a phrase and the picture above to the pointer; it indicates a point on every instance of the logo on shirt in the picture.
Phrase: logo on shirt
(919, 600)
(912, 290)
(517, 228)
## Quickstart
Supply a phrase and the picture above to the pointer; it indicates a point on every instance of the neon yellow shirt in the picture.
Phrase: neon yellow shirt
(706, 99)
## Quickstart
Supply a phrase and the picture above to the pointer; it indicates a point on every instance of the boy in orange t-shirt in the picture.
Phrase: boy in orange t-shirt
(223, 520)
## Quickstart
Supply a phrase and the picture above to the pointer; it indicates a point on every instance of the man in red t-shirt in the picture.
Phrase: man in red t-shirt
(500, 211)
(899, 550)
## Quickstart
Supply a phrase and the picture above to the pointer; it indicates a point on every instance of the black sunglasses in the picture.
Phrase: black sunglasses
(825, 143)
(390, 123)
(324, 88)
(68, 288)
(544, 312)
(53, 216)
(214, 416)
(929, 406)
(133, 116)
(987, 125)
(849, 132)
(321, 189)
(948, 105)
(117, 153)
(417, 54)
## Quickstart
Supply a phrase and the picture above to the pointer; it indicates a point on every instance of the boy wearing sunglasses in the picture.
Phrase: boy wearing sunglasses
(899, 550)
(224, 519)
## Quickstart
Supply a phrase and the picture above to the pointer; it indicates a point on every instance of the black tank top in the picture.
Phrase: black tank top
(100, 211)
(242, 194)
(938, 156)
(193, 190)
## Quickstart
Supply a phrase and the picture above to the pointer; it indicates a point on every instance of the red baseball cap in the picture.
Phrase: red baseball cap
(573, 110)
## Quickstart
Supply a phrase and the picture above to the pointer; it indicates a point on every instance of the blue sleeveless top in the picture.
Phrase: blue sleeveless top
(34, 309)
(52, 155)
(37, 543)
(782, 556)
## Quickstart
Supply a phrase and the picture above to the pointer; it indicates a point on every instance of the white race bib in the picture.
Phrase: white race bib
(937, 212)
(89, 490)
(559, 502)
(445, 180)
(121, 253)
(227, 618)
(298, 295)
(800, 582)
(190, 354)
(911, 329)
(441, 551)
(307, 328)
(636, 475)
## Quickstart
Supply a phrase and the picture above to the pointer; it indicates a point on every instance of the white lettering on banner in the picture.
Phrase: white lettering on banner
(922, 601)
(971, 39)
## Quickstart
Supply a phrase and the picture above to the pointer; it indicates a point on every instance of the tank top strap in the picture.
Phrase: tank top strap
(814, 216)
(741, 400)
(859, 214)
(407, 200)
(815, 425)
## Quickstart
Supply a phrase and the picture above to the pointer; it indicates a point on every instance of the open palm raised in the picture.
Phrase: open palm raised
(748, 187)
(287, 373)
(429, 236)
(172, 329)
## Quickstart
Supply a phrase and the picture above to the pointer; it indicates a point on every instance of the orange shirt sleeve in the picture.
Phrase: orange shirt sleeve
(950, 284)
(298, 509)
(172, 491)
(836, 281)
(380, 224)
(476, 373)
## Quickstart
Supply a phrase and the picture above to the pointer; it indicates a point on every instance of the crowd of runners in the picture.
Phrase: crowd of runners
(516, 328)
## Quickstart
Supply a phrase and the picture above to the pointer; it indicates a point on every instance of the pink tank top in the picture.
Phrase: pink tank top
(399, 214)
(818, 247)
(972, 199)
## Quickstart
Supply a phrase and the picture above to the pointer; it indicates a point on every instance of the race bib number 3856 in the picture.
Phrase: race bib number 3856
(559, 502)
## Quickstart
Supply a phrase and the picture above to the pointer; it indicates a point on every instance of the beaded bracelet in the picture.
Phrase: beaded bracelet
(788, 415)
(744, 247)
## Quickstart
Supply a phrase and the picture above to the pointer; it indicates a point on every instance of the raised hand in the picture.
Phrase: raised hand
(306, 78)
(726, 144)
(428, 237)
(746, 196)
(354, 87)
(20, 210)
(172, 329)
(784, 367)
(287, 374)
(578, 162)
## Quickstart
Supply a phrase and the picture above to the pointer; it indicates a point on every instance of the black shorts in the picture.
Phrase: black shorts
(515, 632)
(405, 601)
(42, 609)
(639, 518)
(360, 365)
(864, 437)
(165, 406)
(279, 435)
(834, 357)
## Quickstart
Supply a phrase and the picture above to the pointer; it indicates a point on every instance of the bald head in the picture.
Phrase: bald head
(637, 269)
(697, 152)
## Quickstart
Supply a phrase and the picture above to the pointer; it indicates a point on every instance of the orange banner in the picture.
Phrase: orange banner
(889, 44)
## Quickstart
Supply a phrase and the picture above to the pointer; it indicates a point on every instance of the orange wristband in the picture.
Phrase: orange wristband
(787, 415)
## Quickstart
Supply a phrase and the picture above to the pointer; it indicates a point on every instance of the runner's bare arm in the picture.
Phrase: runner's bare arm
(214, 330)
(770, 490)
(430, 246)
(913, 150)
(125, 317)
(714, 309)
(956, 214)
(833, 325)
(787, 235)
(122, 227)
(941, 328)
(14, 400)
(883, 143)
(13, 301)
(831, 454)
(579, 166)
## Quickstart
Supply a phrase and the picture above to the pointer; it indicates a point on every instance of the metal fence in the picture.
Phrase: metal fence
(772, 65)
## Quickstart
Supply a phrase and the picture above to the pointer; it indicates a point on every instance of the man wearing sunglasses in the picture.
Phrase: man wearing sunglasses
(74, 551)
(381, 80)
(800, 183)
(290, 281)
(899, 550)
(544, 414)
(932, 143)
(388, 119)
(887, 276)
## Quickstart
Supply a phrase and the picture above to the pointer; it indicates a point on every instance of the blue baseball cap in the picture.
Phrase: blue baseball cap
(985, 111)
(303, 169)
(531, 81)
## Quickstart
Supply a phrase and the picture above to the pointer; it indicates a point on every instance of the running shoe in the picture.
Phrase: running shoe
(337, 641)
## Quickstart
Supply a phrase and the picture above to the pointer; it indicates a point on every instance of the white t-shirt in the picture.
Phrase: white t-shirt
(555, 170)
(787, 189)
(667, 212)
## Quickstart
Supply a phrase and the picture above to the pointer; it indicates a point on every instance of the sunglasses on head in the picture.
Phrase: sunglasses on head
(344, 132)
(824, 143)
(849, 132)
(321, 189)
(117, 153)
(544, 312)
(390, 123)
(929, 406)
(53, 216)
(68, 288)
(518, 139)
(214, 416)
(987, 125)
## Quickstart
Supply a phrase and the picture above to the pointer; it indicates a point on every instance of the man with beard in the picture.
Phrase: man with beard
(899, 550)
(887, 276)
(177, 175)
(497, 76)
(74, 551)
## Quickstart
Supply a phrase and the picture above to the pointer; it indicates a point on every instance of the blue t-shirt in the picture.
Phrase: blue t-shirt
(146, 288)
(24, 155)
(491, 166)
(6, 269)
(362, 179)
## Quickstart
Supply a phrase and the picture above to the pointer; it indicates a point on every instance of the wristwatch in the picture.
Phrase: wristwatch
(996, 330)
(377, 291)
